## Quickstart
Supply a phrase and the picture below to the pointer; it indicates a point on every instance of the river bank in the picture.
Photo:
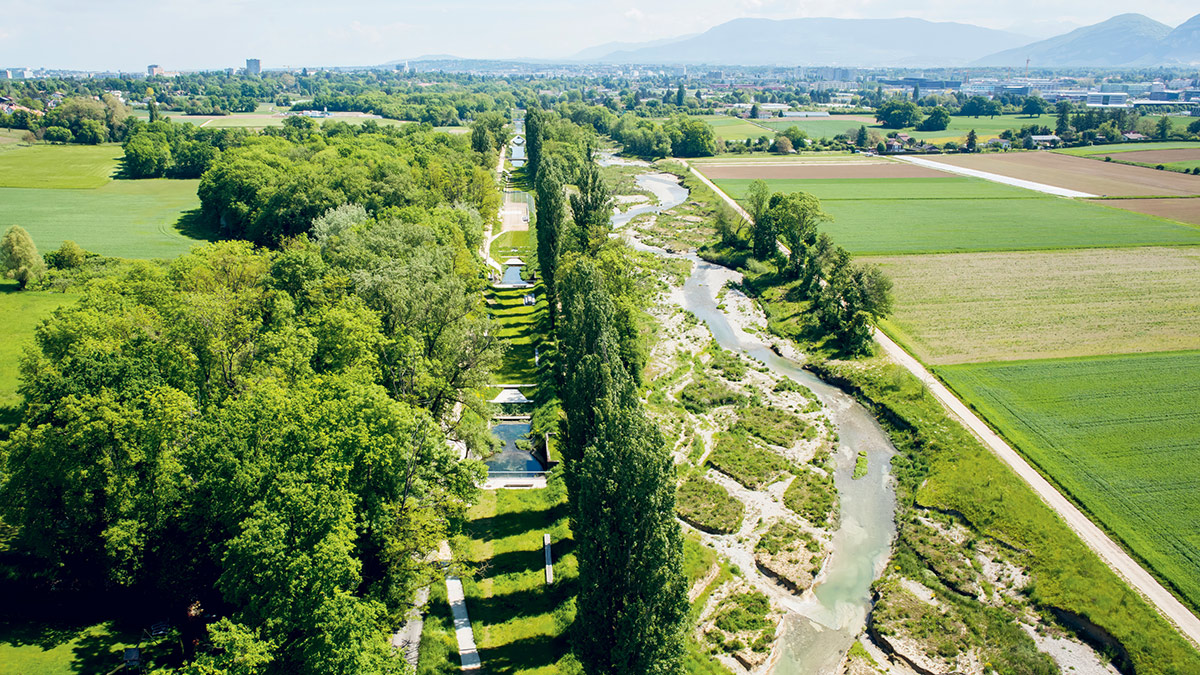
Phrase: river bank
(820, 625)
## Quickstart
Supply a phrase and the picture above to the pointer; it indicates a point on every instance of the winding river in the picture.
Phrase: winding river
(820, 626)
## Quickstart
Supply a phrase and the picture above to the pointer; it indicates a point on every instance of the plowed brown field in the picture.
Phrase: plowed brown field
(1078, 173)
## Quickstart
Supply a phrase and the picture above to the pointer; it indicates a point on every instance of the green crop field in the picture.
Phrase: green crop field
(62, 192)
(58, 166)
(886, 188)
(1119, 434)
(124, 218)
(880, 227)
(970, 307)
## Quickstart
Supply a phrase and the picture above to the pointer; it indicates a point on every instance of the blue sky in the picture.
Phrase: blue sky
(189, 34)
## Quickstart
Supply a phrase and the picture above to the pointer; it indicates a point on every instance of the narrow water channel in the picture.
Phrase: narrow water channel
(819, 630)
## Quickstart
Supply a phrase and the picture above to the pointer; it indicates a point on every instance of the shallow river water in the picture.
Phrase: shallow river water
(819, 628)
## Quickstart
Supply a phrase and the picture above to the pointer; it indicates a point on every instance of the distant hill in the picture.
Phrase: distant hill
(600, 51)
(827, 42)
(1124, 40)
(1182, 45)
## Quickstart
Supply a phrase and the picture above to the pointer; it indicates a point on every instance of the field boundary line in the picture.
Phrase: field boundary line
(1115, 557)
(997, 178)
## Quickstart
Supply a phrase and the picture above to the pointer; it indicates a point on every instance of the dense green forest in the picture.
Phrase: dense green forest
(262, 434)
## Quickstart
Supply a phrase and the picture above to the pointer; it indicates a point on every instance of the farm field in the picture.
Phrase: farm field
(972, 307)
(58, 166)
(896, 226)
(734, 128)
(124, 218)
(939, 187)
(878, 169)
(1115, 148)
(1118, 434)
(1184, 210)
(1078, 173)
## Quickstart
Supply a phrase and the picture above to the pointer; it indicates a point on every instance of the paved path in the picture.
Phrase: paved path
(1108, 550)
(408, 638)
(467, 652)
(996, 178)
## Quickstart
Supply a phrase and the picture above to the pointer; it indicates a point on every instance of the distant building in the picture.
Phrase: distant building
(1048, 139)
(253, 67)
(154, 69)
(1116, 99)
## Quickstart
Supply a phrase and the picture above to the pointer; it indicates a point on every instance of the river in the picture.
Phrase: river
(819, 627)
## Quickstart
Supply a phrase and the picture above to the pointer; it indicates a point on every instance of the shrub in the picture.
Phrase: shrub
(811, 496)
(775, 426)
(736, 456)
(704, 393)
(708, 506)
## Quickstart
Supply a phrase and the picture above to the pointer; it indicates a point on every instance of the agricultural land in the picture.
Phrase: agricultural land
(1068, 324)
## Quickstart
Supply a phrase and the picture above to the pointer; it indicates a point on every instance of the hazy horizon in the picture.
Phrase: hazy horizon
(124, 35)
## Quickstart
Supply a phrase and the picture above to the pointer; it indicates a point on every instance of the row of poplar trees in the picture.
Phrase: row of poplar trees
(632, 603)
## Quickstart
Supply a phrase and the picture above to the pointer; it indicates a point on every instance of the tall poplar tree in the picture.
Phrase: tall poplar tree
(591, 208)
(534, 130)
(632, 602)
(551, 216)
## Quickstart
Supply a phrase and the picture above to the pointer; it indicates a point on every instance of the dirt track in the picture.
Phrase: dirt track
(811, 171)
(1078, 173)
(1182, 210)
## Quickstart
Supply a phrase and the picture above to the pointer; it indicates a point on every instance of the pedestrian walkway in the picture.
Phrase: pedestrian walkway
(467, 653)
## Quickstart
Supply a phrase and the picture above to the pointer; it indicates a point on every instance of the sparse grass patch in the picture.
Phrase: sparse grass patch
(774, 426)
(811, 496)
(705, 393)
(743, 460)
(708, 506)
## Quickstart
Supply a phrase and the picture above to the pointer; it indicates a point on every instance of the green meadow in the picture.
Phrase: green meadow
(730, 128)
(985, 127)
(59, 192)
(519, 326)
(22, 312)
(125, 218)
(1118, 433)
(58, 166)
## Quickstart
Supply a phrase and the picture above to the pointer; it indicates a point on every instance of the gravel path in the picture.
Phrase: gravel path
(1108, 550)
